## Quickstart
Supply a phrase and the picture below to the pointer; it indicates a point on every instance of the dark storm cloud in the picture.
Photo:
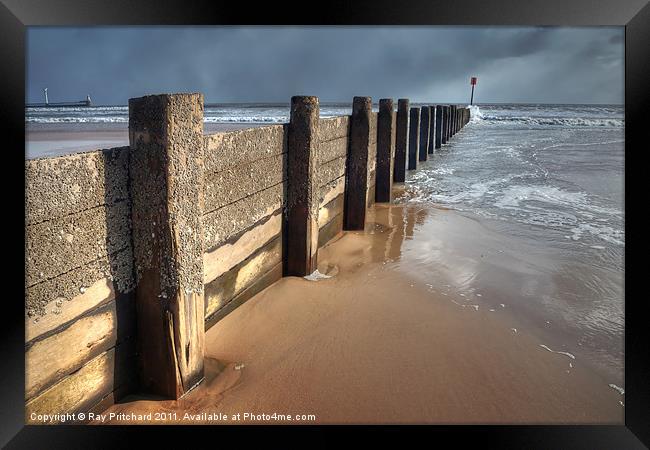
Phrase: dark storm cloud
(270, 64)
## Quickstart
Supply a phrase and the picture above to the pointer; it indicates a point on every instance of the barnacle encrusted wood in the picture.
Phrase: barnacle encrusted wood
(301, 230)
(356, 178)
(166, 172)
(385, 146)
(401, 140)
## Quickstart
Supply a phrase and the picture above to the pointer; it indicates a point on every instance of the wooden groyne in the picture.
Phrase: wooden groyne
(133, 252)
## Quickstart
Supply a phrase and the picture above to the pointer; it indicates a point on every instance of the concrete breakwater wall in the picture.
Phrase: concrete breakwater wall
(133, 252)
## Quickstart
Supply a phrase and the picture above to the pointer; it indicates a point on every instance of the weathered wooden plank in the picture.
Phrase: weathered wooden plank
(372, 162)
(330, 230)
(235, 148)
(222, 224)
(85, 387)
(330, 171)
(332, 149)
(225, 257)
(331, 209)
(117, 267)
(261, 283)
(370, 195)
(222, 289)
(57, 187)
(57, 246)
(236, 183)
(99, 292)
(333, 128)
(51, 357)
(331, 190)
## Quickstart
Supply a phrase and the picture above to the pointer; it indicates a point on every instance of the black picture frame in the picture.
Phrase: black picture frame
(634, 15)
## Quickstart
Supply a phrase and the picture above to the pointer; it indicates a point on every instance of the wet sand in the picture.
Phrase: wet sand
(389, 339)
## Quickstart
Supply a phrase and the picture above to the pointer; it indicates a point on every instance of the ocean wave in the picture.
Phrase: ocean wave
(556, 121)
(475, 114)
(470, 194)
(99, 118)
(125, 119)
(604, 232)
(513, 196)
(96, 119)
(246, 119)
(245, 114)
(75, 109)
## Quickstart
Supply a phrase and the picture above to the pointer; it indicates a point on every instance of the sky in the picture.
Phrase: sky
(231, 64)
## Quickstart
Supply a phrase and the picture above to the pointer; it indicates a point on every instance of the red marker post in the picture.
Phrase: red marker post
(473, 83)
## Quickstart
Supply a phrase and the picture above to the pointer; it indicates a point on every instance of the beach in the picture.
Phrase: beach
(489, 292)
(305, 225)
(46, 140)
(395, 335)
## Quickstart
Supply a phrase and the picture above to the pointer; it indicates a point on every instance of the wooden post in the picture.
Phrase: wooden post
(453, 120)
(385, 150)
(447, 117)
(432, 129)
(425, 124)
(414, 138)
(438, 126)
(401, 140)
(445, 123)
(166, 178)
(301, 218)
(356, 169)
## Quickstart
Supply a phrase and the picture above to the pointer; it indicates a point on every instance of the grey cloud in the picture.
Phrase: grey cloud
(270, 64)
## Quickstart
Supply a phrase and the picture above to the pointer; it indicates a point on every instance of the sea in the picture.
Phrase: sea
(548, 180)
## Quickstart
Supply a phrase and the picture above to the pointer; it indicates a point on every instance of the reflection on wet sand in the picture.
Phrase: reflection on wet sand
(406, 330)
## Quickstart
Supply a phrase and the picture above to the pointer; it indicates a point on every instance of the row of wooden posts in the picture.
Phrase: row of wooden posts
(166, 140)
(418, 131)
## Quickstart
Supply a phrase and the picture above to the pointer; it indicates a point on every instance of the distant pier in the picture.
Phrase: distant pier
(47, 104)
(58, 104)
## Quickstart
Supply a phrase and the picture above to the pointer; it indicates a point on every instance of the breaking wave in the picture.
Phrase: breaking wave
(559, 121)
(567, 118)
